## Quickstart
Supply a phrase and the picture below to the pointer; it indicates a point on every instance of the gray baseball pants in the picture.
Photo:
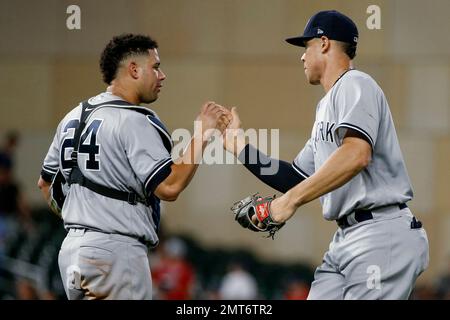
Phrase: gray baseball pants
(374, 259)
(97, 265)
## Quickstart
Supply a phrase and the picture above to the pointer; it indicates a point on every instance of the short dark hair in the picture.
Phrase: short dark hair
(121, 47)
(349, 49)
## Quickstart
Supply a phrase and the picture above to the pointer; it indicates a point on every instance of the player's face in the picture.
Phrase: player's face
(151, 77)
(311, 61)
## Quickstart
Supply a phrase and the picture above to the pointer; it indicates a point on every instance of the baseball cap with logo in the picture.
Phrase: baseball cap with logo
(330, 23)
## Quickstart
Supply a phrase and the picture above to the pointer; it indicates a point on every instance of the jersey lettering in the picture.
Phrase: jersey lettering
(88, 144)
(329, 131)
(323, 132)
(67, 145)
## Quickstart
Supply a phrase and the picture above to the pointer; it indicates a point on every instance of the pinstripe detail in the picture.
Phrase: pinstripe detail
(49, 170)
(299, 171)
(157, 169)
(352, 126)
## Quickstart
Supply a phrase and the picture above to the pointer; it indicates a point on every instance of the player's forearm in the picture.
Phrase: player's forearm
(194, 151)
(333, 174)
(346, 162)
(44, 186)
(239, 144)
(183, 170)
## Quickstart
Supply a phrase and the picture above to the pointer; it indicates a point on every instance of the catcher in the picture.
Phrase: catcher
(353, 162)
(116, 157)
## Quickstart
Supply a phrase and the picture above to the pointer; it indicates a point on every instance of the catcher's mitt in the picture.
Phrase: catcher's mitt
(58, 191)
(245, 209)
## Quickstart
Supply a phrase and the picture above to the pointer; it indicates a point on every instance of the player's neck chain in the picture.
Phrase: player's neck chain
(342, 74)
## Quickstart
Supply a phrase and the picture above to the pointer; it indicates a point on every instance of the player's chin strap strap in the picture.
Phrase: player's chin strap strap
(76, 176)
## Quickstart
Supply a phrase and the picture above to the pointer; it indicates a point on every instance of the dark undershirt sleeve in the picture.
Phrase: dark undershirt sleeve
(283, 179)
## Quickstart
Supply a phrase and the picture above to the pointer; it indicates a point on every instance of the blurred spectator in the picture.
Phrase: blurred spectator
(297, 289)
(238, 284)
(423, 292)
(8, 149)
(12, 201)
(443, 283)
(25, 290)
(13, 206)
(173, 276)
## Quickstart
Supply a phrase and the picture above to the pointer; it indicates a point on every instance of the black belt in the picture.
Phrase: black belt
(361, 215)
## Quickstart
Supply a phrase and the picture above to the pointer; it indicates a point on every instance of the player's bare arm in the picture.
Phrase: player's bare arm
(44, 186)
(234, 139)
(346, 162)
(212, 116)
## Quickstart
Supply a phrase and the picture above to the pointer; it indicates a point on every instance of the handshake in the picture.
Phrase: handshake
(254, 212)
(215, 118)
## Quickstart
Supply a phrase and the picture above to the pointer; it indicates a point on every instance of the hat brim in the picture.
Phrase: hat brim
(298, 41)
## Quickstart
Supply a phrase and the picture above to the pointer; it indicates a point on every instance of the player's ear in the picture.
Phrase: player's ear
(324, 44)
(133, 69)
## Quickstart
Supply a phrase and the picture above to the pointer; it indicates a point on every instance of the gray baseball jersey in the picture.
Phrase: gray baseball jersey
(120, 149)
(356, 102)
(371, 259)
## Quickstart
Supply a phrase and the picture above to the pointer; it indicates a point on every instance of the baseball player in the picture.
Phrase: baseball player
(353, 162)
(115, 156)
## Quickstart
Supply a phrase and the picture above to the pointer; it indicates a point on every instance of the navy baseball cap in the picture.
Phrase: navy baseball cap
(330, 23)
